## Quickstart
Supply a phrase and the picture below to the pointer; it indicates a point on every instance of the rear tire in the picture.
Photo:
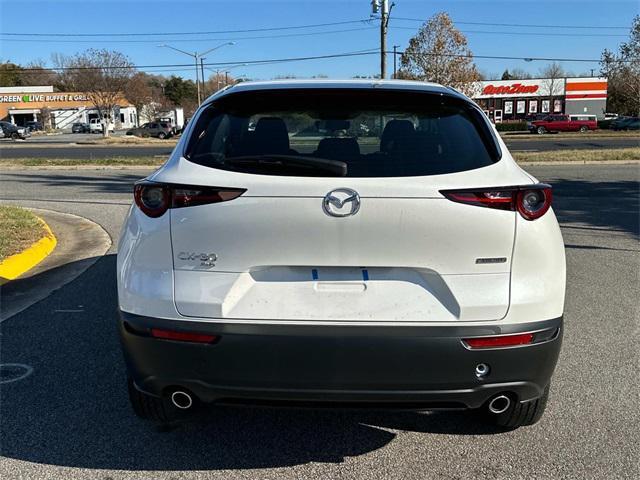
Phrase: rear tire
(162, 135)
(584, 129)
(541, 130)
(522, 414)
(159, 410)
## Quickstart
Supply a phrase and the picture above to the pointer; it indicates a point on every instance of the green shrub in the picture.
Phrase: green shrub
(512, 127)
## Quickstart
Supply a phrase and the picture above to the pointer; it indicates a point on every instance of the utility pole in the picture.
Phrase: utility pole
(202, 59)
(195, 56)
(395, 52)
(382, 7)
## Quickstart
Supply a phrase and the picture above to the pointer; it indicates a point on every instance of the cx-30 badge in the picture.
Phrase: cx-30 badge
(205, 259)
(341, 202)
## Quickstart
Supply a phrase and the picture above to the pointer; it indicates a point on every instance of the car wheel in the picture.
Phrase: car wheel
(156, 409)
(162, 135)
(584, 129)
(520, 414)
(541, 130)
(15, 135)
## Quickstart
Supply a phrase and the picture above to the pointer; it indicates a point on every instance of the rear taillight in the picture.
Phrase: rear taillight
(154, 199)
(531, 201)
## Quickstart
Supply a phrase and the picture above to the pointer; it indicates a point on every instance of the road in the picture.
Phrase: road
(71, 419)
(37, 148)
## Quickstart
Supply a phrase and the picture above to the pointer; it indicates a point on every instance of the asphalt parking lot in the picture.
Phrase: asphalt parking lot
(70, 417)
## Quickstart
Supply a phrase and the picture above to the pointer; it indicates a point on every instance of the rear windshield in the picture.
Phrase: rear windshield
(342, 133)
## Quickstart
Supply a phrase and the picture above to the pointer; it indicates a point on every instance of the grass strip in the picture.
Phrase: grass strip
(19, 229)
(579, 156)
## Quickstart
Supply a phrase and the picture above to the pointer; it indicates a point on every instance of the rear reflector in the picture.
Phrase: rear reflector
(183, 336)
(499, 341)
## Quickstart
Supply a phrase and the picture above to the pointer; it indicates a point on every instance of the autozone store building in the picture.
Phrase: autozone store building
(20, 105)
(510, 100)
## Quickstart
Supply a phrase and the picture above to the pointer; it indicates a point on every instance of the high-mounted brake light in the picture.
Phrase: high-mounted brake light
(531, 201)
(154, 199)
(183, 336)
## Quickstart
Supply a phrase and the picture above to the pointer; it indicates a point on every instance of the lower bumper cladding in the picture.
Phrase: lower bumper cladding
(383, 367)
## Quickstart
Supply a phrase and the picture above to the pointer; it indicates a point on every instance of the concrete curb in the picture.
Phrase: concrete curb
(15, 265)
(81, 243)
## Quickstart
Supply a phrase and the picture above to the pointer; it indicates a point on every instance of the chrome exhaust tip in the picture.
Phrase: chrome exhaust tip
(499, 404)
(181, 400)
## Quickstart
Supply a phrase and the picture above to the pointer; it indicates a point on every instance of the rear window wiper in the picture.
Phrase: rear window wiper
(336, 167)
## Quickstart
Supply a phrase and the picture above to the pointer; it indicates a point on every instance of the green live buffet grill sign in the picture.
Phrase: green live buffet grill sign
(62, 97)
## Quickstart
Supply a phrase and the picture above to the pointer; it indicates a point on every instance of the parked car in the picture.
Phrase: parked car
(34, 126)
(96, 126)
(626, 123)
(152, 129)
(15, 132)
(564, 123)
(425, 270)
(80, 128)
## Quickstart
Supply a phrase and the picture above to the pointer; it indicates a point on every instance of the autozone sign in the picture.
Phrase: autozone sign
(513, 89)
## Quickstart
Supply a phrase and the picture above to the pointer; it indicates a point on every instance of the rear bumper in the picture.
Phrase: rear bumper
(404, 367)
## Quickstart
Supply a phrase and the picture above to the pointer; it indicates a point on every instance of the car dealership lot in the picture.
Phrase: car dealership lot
(70, 418)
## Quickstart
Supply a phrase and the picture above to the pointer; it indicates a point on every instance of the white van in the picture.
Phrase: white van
(95, 126)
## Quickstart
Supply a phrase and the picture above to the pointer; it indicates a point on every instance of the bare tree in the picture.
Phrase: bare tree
(145, 93)
(622, 70)
(102, 75)
(439, 53)
(519, 74)
(553, 83)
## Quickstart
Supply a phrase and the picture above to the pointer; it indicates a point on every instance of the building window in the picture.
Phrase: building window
(122, 118)
(557, 106)
(508, 107)
(533, 106)
(521, 106)
(545, 106)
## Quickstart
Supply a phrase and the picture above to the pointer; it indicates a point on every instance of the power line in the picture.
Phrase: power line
(183, 65)
(537, 34)
(217, 32)
(590, 27)
(297, 59)
(172, 40)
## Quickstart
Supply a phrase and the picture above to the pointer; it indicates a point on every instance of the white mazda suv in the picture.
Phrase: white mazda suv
(362, 243)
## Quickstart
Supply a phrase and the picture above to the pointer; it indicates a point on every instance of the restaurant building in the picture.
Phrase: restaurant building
(20, 105)
(509, 100)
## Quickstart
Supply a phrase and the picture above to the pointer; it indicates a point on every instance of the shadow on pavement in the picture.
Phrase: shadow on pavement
(116, 183)
(73, 410)
(609, 206)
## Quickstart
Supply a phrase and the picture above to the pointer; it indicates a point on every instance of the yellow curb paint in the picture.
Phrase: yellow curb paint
(15, 265)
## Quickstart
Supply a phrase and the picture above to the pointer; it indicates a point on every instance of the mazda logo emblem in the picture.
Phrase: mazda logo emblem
(341, 202)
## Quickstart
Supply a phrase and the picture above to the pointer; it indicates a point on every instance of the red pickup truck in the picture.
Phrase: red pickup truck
(564, 123)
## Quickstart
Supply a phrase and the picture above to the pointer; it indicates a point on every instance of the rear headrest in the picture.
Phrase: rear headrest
(338, 148)
(271, 136)
(393, 130)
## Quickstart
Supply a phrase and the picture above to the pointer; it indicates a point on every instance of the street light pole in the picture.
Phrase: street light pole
(197, 56)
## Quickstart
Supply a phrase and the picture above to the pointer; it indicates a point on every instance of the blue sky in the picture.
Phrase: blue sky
(101, 16)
